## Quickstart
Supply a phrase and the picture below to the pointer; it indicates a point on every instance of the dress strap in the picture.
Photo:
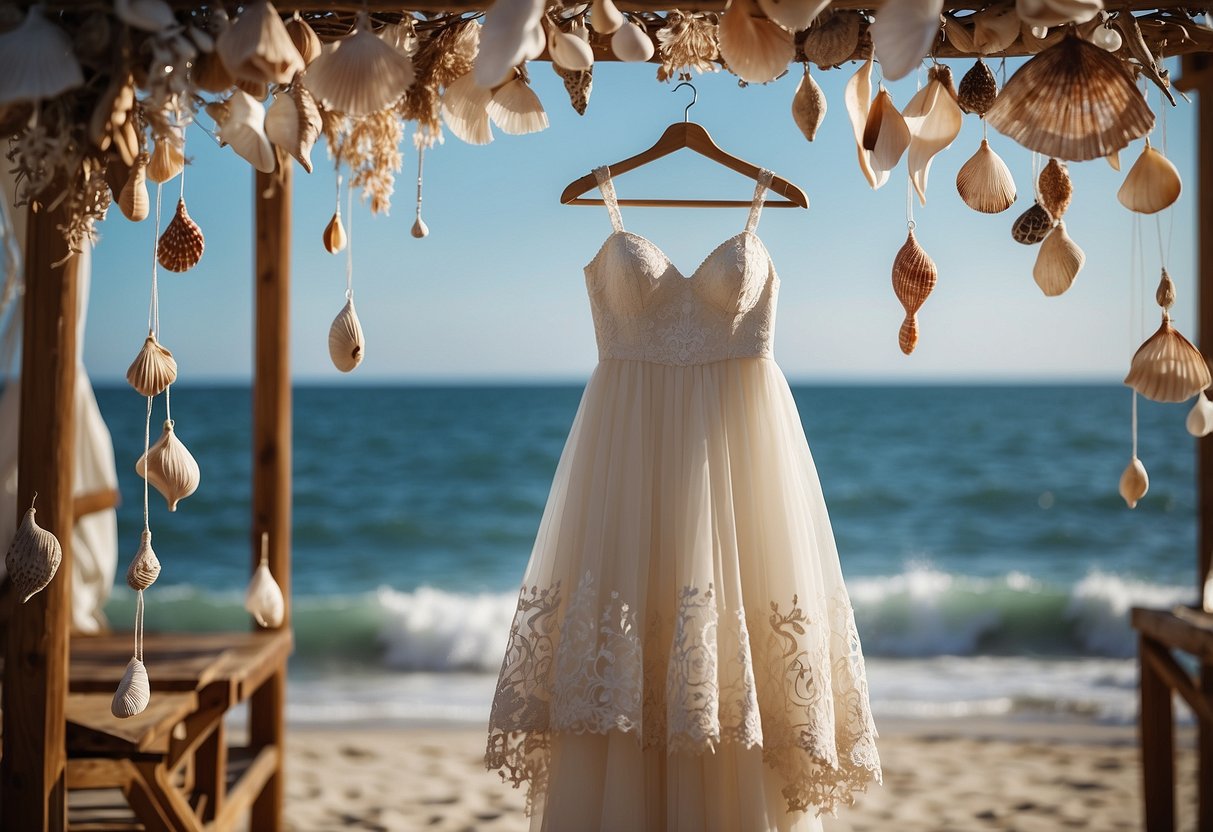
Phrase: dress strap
(764, 182)
(607, 187)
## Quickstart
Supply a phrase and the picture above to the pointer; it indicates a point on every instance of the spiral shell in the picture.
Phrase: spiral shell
(170, 467)
(1032, 226)
(978, 89)
(1055, 188)
(985, 183)
(145, 566)
(153, 369)
(1167, 368)
(1058, 262)
(347, 346)
(133, 693)
(1134, 482)
(33, 557)
(181, 245)
(914, 276)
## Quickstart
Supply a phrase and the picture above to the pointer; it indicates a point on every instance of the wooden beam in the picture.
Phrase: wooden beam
(1157, 744)
(1164, 664)
(33, 767)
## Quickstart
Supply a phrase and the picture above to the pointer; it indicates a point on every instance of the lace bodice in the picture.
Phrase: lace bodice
(645, 309)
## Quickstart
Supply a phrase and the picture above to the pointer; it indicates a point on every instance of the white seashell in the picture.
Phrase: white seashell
(145, 566)
(569, 51)
(148, 15)
(263, 598)
(512, 32)
(1152, 184)
(902, 34)
(793, 15)
(934, 119)
(33, 557)
(755, 49)
(465, 110)
(170, 467)
(134, 201)
(808, 105)
(1106, 37)
(168, 158)
(347, 347)
(257, 47)
(857, 96)
(985, 182)
(1134, 482)
(153, 369)
(1057, 12)
(1058, 262)
(631, 43)
(1167, 368)
(886, 134)
(605, 17)
(293, 123)
(133, 693)
(420, 229)
(306, 41)
(1200, 418)
(360, 75)
(995, 28)
(36, 61)
(832, 39)
(243, 127)
(516, 109)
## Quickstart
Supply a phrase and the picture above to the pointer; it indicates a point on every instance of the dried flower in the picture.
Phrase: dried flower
(441, 57)
(686, 42)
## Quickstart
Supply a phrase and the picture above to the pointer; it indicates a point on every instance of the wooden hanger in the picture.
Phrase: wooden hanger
(690, 135)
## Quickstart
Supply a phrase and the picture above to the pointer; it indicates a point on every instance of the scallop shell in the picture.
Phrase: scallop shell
(578, 85)
(857, 95)
(886, 134)
(36, 61)
(516, 109)
(168, 158)
(170, 467)
(293, 123)
(307, 42)
(181, 245)
(808, 105)
(985, 182)
(978, 89)
(257, 46)
(133, 693)
(263, 598)
(832, 39)
(605, 17)
(1073, 101)
(360, 75)
(243, 127)
(33, 557)
(145, 566)
(1058, 262)
(153, 369)
(902, 34)
(1200, 418)
(754, 48)
(133, 200)
(210, 75)
(1054, 188)
(1057, 12)
(347, 347)
(631, 43)
(793, 15)
(995, 28)
(1164, 295)
(334, 235)
(1032, 226)
(933, 118)
(465, 110)
(1151, 185)
(1134, 482)
(512, 32)
(914, 276)
(1167, 368)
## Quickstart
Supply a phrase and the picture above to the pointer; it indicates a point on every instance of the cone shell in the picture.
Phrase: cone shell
(755, 49)
(808, 106)
(153, 369)
(978, 89)
(145, 566)
(133, 200)
(293, 123)
(1134, 482)
(1200, 418)
(33, 557)
(516, 109)
(1151, 185)
(334, 235)
(1167, 368)
(133, 693)
(832, 39)
(307, 42)
(914, 276)
(181, 245)
(257, 47)
(631, 43)
(578, 85)
(168, 159)
(1058, 262)
(1073, 101)
(1054, 188)
(170, 468)
(985, 182)
(360, 75)
(1032, 226)
(263, 599)
(1164, 295)
(36, 61)
(347, 347)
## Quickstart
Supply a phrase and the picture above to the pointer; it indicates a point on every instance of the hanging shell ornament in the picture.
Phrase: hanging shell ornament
(1057, 12)
(243, 127)
(914, 276)
(808, 105)
(168, 158)
(208, 73)
(133, 693)
(1134, 482)
(465, 110)
(153, 369)
(995, 28)
(258, 48)
(1058, 262)
(1164, 295)
(263, 599)
(334, 234)
(512, 32)
(170, 467)
(793, 15)
(360, 74)
(902, 34)
(605, 17)
(568, 51)
(933, 118)
(857, 97)
(306, 41)
(419, 229)
(630, 43)
(181, 245)
(754, 48)
(978, 89)
(886, 134)
(293, 123)
(1152, 184)
(36, 60)
(347, 347)
(1167, 368)
(1054, 188)
(133, 200)
(578, 85)
(516, 109)
(985, 183)
(145, 566)
(1200, 418)
(832, 39)
(1032, 226)
(33, 557)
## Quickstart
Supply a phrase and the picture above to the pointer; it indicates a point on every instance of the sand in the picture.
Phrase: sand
(938, 777)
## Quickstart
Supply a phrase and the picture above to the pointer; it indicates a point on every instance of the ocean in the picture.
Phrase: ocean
(990, 560)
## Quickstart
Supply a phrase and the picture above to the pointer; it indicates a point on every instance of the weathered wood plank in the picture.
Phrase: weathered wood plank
(1157, 745)
(256, 768)
(1172, 631)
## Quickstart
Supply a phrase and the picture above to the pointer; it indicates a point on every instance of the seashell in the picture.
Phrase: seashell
(133, 693)
(307, 42)
(516, 109)
(168, 158)
(1057, 12)
(978, 89)
(293, 123)
(511, 33)
(33, 557)
(257, 89)
(1134, 482)
(886, 134)
(210, 75)
(1106, 38)
(170, 467)
(1167, 368)
(334, 234)
(631, 43)
(263, 598)
(148, 15)
(902, 34)
(1164, 295)
(1200, 417)
(605, 17)
(569, 52)
(181, 245)
(36, 61)
(346, 344)
(985, 182)
(153, 369)
(1054, 188)
(113, 123)
(754, 48)
(257, 46)
(419, 229)
(1151, 185)
(243, 127)
(793, 15)
(933, 118)
(808, 105)
(1032, 226)
(465, 110)
(1058, 262)
(578, 85)
(133, 200)
(145, 566)
(360, 75)
(1114, 160)
(1073, 101)
(832, 39)
(995, 28)
(857, 96)
(914, 276)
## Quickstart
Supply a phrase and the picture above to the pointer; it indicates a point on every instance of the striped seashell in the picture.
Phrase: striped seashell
(808, 105)
(793, 15)
(1054, 188)
(1058, 262)
(153, 369)
(360, 74)
(168, 158)
(257, 46)
(145, 566)
(1134, 482)
(133, 199)
(1151, 185)
(1167, 368)
(516, 109)
(347, 346)
(978, 89)
(181, 245)
(170, 467)
(832, 39)
(306, 41)
(914, 276)
(1032, 226)
(985, 183)
(33, 557)
(133, 693)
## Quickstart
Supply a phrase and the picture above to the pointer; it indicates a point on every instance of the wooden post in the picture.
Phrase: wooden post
(272, 453)
(1157, 745)
(32, 770)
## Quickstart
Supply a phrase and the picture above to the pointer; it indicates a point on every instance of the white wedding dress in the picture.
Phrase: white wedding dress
(684, 654)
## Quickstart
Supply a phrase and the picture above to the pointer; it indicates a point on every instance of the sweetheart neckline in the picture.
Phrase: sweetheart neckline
(670, 264)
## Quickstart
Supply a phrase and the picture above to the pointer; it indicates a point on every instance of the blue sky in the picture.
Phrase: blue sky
(496, 291)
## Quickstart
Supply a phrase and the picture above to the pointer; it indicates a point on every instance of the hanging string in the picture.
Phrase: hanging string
(909, 203)
(139, 624)
(1164, 251)
(1134, 428)
(420, 162)
(153, 306)
(349, 242)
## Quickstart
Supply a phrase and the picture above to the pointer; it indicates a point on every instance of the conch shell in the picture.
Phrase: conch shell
(360, 74)
(1058, 262)
(978, 89)
(1167, 368)
(33, 557)
(347, 347)
(334, 234)
(134, 691)
(258, 48)
(36, 60)
(832, 39)
(170, 467)
(293, 123)
(1054, 188)
(1200, 418)
(145, 566)
(181, 245)
(902, 34)
(985, 182)
(1134, 482)
(153, 369)
(914, 276)
(263, 599)
(755, 49)
(1032, 226)
(808, 105)
(933, 118)
(1151, 185)
(133, 200)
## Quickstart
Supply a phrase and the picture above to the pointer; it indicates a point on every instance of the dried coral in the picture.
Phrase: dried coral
(687, 42)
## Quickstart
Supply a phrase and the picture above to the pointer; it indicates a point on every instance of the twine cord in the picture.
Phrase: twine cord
(420, 162)
(349, 243)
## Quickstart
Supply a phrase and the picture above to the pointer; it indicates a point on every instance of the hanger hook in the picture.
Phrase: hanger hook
(686, 114)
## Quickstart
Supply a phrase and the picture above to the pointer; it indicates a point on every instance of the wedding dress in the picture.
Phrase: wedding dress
(684, 655)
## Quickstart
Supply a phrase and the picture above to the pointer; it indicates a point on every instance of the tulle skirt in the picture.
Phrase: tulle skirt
(684, 654)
